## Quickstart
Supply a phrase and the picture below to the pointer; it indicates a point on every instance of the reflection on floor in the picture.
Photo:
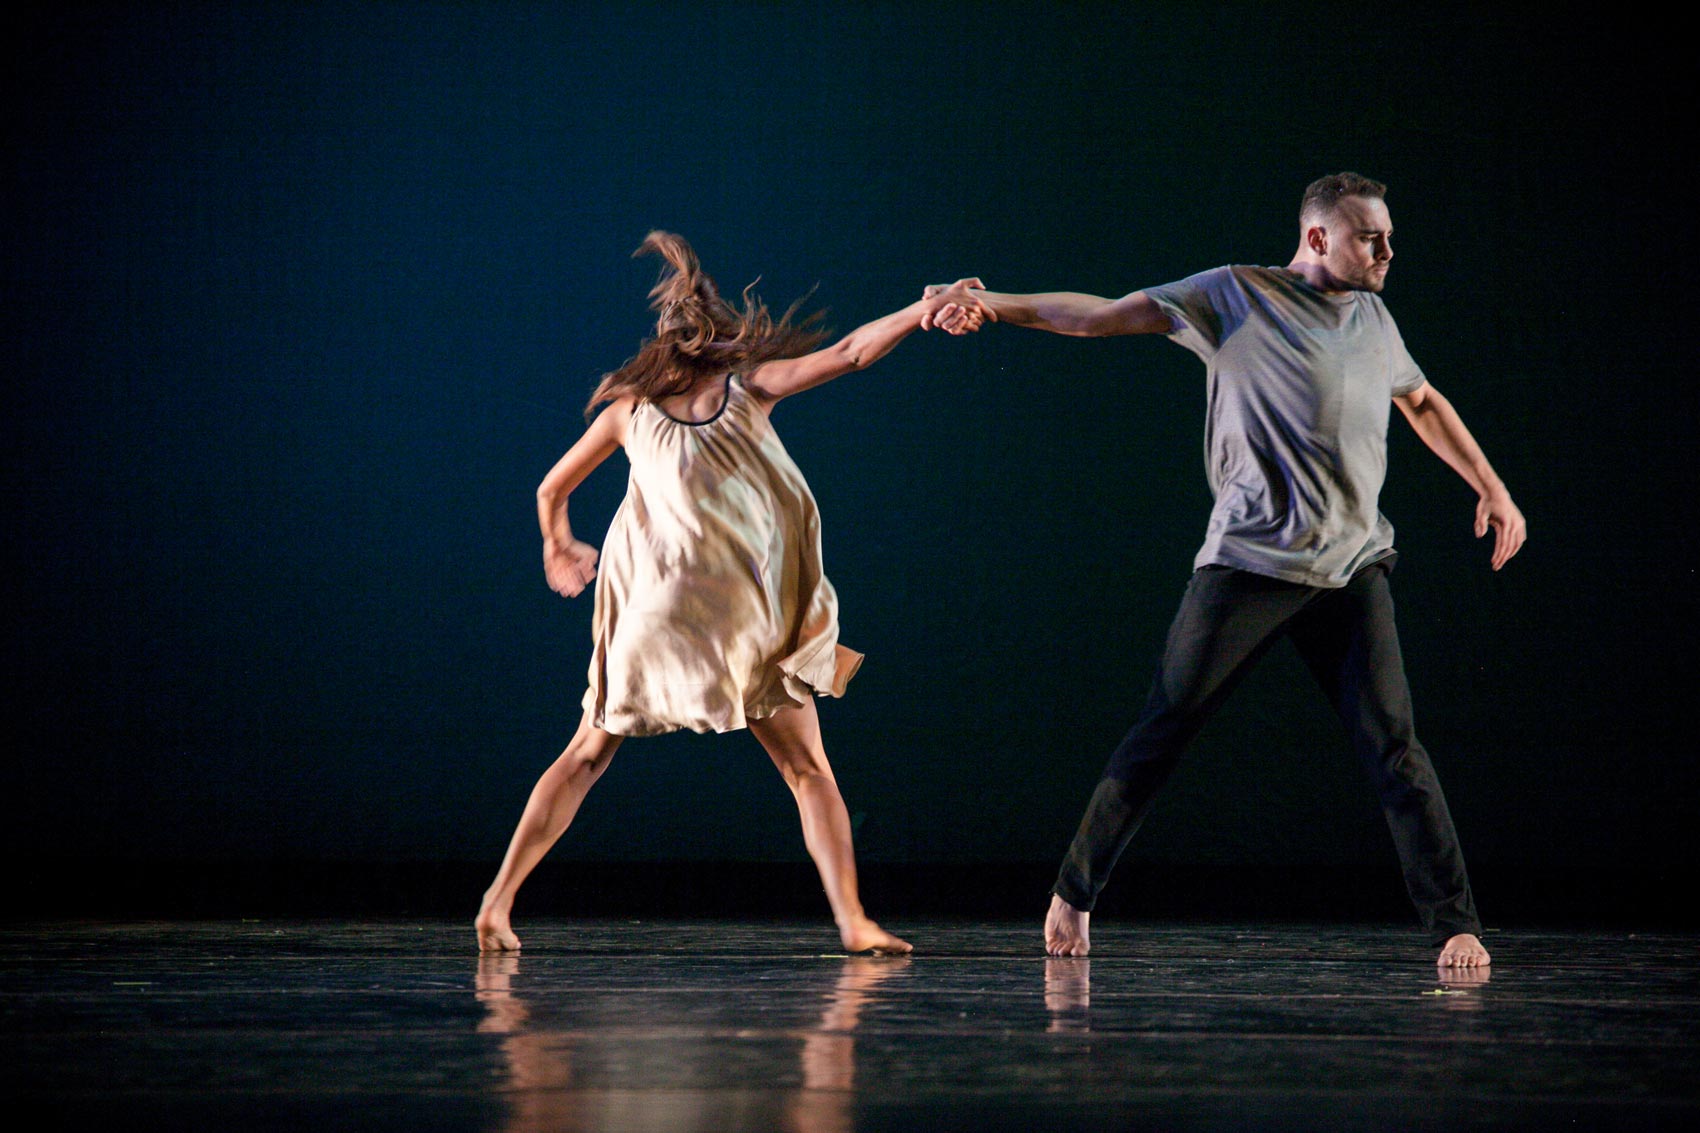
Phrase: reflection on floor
(763, 1026)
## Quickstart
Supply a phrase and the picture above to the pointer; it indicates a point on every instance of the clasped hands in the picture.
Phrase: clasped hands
(954, 308)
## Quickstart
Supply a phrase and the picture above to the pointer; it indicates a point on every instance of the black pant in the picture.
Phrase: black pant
(1227, 620)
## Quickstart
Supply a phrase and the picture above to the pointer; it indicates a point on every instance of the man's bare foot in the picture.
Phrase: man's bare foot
(1464, 951)
(495, 934)
(1066, 929)
(863, 935)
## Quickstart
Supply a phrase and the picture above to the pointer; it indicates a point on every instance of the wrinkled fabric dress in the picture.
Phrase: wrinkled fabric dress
(711, 606)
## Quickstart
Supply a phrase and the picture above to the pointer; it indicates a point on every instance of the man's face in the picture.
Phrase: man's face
(1359, 244)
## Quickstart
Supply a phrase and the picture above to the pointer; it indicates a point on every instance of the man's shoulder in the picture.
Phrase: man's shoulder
(1233, 271)
(1210, 281)
(1269, 279)
(1233, 285)
(1244, 278)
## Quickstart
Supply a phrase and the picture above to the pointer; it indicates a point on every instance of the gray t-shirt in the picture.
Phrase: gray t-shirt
(1295, 442)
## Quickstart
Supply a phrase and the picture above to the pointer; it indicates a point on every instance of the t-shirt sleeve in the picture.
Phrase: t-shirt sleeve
(1407, 375)
(1198, 308)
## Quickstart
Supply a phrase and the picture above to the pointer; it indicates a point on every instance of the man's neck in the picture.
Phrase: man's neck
(1313, 273)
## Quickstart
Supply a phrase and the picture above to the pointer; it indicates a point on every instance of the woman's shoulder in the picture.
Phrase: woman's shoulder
(616, 417)
(748, 392)
(621, 408)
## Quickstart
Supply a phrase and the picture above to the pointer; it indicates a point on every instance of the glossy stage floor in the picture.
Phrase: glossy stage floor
(715, 1026)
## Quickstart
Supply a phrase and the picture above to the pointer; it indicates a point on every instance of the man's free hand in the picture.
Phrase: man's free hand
(1495, 510)
(954, 308)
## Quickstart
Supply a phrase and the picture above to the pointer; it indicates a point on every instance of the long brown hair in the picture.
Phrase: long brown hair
(699, 334)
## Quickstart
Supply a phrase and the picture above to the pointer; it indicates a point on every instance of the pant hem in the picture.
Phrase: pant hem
(1442, 933)
(1070, 896)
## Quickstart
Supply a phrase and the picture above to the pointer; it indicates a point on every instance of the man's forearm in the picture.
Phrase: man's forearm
(1444, 432)
(1060, 312)
(1072, 313)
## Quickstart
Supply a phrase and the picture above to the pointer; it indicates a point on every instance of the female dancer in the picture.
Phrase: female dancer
(712, 612)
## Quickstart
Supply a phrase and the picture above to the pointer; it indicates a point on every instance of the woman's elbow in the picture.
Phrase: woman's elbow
(851, 356)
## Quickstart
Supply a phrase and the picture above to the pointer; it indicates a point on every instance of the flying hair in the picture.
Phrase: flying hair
(697, 333)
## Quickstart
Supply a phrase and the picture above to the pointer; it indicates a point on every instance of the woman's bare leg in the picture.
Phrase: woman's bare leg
(553, 803)
(792, 739)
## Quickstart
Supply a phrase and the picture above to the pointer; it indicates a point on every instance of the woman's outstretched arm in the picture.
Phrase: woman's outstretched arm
(952, 308)
(569, 564)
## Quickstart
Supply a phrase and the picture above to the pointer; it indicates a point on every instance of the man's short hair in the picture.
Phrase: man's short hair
(1325, 192)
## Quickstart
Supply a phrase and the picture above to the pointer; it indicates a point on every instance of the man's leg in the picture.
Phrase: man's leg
(1350, 642)
(1226, 621)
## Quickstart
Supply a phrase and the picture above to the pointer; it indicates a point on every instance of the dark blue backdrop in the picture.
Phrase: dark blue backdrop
(302, 300)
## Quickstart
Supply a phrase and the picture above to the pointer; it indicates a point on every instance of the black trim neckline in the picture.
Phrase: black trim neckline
(725, 401)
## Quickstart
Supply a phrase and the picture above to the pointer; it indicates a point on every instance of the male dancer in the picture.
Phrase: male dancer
(1302, 363)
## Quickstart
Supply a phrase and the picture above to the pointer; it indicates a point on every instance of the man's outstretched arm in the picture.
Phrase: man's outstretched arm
(1070, 312)
(1442, 430)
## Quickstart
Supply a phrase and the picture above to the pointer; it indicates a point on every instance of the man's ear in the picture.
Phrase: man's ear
(1316, 238)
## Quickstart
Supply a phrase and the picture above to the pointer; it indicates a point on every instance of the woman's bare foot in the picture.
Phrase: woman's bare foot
(1464, 951)
(863, 935)
(495, 934)
(1066, 931)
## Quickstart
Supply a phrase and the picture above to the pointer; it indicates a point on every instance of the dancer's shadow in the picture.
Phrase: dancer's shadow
(1068, 993)
(543, 1092)
(1460, 988)
(828, 1056)
(1464, 977)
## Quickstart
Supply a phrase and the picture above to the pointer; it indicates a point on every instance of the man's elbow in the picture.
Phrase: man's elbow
(1138, 314)
(1103, 323)
(1092, 323)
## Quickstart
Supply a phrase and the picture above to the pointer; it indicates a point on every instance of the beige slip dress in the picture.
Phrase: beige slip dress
(711, 606)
